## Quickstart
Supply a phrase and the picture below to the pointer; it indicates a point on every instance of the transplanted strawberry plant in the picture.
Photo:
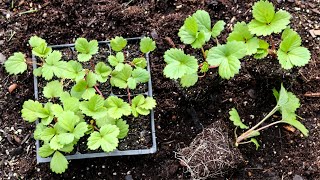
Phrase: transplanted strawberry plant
(70, 113)
(242, 41)
(287, 104)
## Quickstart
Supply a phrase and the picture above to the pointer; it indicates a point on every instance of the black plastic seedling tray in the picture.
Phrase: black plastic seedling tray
(78, 155)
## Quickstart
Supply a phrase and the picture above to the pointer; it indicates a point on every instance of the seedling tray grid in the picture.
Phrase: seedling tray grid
(78, 155)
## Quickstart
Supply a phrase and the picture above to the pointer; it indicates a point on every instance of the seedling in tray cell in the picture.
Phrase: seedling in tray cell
(242, 41)
(67, 116)
(287, 104)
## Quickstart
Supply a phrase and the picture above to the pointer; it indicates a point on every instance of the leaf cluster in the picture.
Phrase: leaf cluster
(244, 40)
(83, 111)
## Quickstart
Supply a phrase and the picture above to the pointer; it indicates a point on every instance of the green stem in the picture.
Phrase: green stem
(203, 52)
(271, 124)
(248, 133)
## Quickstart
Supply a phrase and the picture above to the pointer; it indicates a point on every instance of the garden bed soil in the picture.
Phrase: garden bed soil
(283, 154)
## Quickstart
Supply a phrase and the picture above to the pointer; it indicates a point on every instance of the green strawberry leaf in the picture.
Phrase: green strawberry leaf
(106, 138)
(58, 163)
(205, 67)
(38, 132)
(189, 33)
(67, 148)
(37, 72)
(80, 130)
(235, 118)
(32, 110)
(42, 50)
(217, 28)
(55, 143)
(16, 63)
(120, 78)
(241, 33)
(67, 120)
(255, 142)
(94, 107)
(70, 103)
(123, 128)
(117, 107)
(52, 89)
(105, 120)
(147, 45)
(288, 103)
(65, 138)
(189, 80)
(262, 50)
(47, 120)
(36, 41)
(86, 49)
(179, 64)
(82, 90)
(53, 66)
(102, 72)
(118, 43)
(140, 62)
(142, 105)
(204, 23)
(117, 61)
(290, 52)
(74, 71)
(227, 58)
(45, 151)
(47, 134)
(266, 21)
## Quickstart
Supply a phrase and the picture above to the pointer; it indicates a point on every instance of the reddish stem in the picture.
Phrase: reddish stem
(97, 89)
(92, 65)
(129, 94)
(204, 74)
(272, 43)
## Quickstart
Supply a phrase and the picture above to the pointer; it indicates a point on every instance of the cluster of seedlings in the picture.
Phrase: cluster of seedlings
(68, 115)
(256, 38)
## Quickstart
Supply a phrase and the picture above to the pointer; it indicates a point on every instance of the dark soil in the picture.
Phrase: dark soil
(283, 154)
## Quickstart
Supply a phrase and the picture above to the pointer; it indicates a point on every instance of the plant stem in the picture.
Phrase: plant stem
(30, 63)
(96, 128)
(129, 94)
(272, 43)
(97, 89)
(271, 124)
(203, 52)
(246, 142)
(204, 74)
(217, 41)
(92, 65)
(248, 133)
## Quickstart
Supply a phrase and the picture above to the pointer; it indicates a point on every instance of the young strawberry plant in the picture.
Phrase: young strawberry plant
(242, 41)
(74, 107)
(287, 104)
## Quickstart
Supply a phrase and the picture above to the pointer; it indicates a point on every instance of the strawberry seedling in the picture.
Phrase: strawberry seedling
(287, 104)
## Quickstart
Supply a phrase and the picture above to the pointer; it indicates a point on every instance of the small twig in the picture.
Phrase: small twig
(28, 12)
(170, 42)
(12, 33)
(317, 94)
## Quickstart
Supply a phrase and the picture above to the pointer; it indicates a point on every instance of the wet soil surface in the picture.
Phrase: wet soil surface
(283, 154)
